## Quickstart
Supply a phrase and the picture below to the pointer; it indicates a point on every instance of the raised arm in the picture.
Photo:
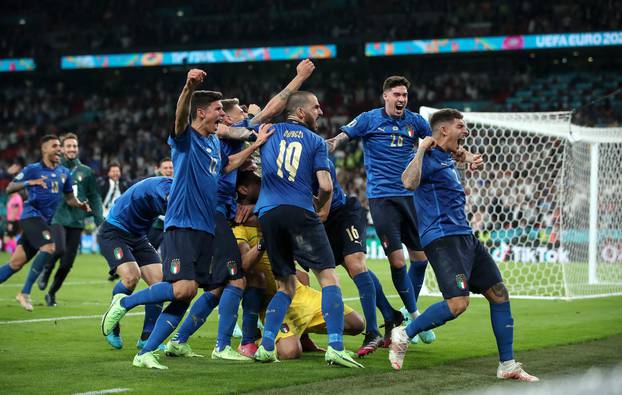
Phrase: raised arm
(276, 105)
(182, 112)
(238, 159)
(411, 177)
(15, 186)
(332, 144)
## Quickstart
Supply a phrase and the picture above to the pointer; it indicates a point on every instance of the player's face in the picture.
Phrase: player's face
(211, 115)
(51, 150)
(70, 149)
(251, 189)
(166, 168)
(313, 112)
(114, 173)
(456, 132)
(234, 115)
(395, 100)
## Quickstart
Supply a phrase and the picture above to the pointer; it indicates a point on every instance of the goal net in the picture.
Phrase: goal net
(547, 204)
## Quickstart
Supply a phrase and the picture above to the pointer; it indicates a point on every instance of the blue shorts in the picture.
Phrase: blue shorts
(293, 233)
(346, 228)
(395, 220)
(227, 262)
(188, 255)
(462, 265)
(119, 247)
(35, 234)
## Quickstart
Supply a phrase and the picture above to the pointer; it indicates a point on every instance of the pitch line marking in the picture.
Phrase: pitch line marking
(108, 391)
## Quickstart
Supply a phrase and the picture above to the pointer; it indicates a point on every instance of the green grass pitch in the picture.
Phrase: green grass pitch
(63, 351)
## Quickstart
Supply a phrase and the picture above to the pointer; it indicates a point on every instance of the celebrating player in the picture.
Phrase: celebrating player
(189, 222)
(44, 181)
(292, 161)
(460, 262)
(389, 135)
(68, 222)
(124, 244)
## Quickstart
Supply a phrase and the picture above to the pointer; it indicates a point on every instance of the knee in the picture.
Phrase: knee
(256, 280)
(498, 293)
(183, 290)
(418, 256)
(396, 259)
(458, 305)
(327, 277)
(49, 248)
(240, 283)
(130, 280)
(355, 264)
(289, 350)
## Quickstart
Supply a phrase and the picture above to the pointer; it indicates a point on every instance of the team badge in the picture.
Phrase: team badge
(232, 268)
(80, 178)
(411, 131)
(63, 178)
(175, 266)
(46, 235)
(461, 281)
(285, 328)
(385, 242)
(118, 253)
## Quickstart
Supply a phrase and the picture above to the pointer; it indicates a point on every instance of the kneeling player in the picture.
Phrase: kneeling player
(460, 262)
(124, 244)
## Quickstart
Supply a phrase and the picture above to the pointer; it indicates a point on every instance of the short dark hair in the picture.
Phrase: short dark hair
(395, 80)
(202, 99)
(444, 115)
(246, 177)
(47, 138)
(165, 159)
(228, 104)
(112, 164)
(68, 136)
(297, 99)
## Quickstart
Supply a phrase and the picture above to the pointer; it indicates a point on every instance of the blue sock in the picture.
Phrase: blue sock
(503, 327)
(367, 295)
(200, 310)
(251, 304)
(228, 312)
(435, 315)
(152, 312)
(332, 310)
(35, 269)
(157, 293)
(165, 325)
(120, 288)
(6, 271)
(416, 273)
(381, 299)
(404, 288)
(275, 313)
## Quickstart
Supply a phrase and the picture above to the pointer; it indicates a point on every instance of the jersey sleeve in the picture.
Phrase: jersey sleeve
(320, 161)
(240, 234)
(181, 141)
(68, 185)
(358, 127)
(224, 155)
(27, 173)
(427, 167)
(92, 195)
(423, 127)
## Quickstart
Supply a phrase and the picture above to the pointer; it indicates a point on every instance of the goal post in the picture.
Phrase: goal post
(547, 204)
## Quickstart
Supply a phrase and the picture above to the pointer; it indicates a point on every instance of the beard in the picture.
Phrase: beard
(310, 122)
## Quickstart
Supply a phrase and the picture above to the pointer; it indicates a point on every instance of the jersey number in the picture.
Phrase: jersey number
(397, 140)
(352, 233)
(54, 186)
(212, 165)
(289, 155)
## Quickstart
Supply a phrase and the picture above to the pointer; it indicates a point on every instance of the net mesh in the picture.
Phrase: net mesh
(530, 203)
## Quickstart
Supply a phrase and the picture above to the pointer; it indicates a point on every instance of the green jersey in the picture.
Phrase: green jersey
(85, 189)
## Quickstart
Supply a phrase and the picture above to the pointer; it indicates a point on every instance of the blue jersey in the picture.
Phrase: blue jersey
(388, 145)
(43, 202)
(192, 203)
(339, 196)
(226, 184)
(135, 210)
(289, 160)
(440, 198)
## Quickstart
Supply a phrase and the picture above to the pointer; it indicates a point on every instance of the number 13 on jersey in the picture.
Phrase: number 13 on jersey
(289, 157)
